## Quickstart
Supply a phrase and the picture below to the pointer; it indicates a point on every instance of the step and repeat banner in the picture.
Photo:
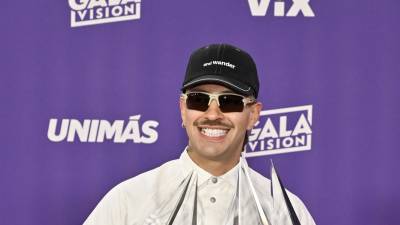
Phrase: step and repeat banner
(90, 97)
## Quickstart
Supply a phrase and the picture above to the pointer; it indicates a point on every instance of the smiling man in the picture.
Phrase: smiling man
(210, 184)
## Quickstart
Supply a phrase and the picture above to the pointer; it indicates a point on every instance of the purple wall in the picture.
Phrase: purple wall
(344, 62)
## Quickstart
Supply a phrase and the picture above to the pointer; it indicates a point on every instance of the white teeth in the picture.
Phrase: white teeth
(213, 132)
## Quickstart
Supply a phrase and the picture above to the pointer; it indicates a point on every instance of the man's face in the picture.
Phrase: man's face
(214, 135)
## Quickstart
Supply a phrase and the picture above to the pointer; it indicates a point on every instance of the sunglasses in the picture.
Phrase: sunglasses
(227, 102)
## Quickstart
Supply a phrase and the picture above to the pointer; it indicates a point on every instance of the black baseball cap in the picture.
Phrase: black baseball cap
(222, 64)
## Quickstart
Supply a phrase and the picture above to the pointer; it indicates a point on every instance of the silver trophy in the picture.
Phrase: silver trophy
(246, 208)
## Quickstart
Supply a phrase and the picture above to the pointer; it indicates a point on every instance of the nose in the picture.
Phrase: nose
(213, 112)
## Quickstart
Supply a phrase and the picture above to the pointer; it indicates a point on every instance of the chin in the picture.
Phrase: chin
(212, 152)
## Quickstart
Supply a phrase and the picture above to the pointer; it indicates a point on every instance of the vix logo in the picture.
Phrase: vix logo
(260, 8)
(91, 12)
(281, 131)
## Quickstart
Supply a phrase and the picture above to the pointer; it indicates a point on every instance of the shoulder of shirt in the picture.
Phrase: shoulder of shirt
(148, 180)
(128, 200)
(261, 183)
(263, 187)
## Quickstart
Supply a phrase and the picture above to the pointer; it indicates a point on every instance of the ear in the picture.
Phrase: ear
(255, 110)
(182, 107)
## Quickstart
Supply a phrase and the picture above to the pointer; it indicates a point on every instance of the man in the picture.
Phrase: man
(210, 184)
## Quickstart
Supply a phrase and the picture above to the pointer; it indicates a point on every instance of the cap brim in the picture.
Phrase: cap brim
(217, 79)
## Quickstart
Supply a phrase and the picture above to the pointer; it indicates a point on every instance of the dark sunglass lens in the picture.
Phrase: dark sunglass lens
(231, 103)
(197, 101)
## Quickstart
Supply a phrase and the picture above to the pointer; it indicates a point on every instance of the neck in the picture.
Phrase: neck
(216, 167)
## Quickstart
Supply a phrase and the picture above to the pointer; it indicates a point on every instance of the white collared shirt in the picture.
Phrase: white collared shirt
(150, 198)
(215, 194)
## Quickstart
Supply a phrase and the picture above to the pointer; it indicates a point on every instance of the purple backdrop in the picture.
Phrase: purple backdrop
(344, 62)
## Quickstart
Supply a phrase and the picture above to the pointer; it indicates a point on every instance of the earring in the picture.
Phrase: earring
(183, 125)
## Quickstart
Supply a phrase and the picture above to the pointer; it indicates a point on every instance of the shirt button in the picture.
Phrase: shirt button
(214, 180)
(212, 200)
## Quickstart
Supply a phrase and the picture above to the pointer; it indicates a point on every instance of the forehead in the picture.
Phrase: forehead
(211, 88)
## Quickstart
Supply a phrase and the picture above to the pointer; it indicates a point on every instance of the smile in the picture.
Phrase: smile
(213, 132)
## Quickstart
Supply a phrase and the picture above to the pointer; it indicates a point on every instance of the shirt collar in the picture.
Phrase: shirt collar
(203, 176)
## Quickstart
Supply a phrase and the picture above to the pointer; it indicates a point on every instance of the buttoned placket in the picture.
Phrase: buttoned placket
(215, 194)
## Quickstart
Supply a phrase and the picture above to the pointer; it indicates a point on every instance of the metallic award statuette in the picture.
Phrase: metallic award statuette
(278, 189)
(245, 209)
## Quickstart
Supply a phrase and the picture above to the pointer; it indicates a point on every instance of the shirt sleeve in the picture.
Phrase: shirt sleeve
(111, 210)
(301, 211)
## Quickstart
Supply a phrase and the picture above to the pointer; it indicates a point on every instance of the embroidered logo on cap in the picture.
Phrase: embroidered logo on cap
(221, 63)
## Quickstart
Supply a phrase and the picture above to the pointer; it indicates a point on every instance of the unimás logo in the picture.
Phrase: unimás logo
(95, 130)
(281, 130)
(260, 8)
(91, 12)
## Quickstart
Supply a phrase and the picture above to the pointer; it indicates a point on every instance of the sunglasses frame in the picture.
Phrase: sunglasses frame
(245, 100)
